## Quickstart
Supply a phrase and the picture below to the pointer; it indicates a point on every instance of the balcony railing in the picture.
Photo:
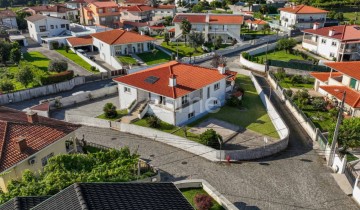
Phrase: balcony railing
(309, 41)
(349, 50)
(310, 20)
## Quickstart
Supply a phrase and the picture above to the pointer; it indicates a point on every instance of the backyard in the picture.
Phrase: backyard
(150, 58)
(281, 55)
(352, 16)
(295, 81)
(190, 194)
(37, 59)
(183, 49)
(321, 119)
(76, 59)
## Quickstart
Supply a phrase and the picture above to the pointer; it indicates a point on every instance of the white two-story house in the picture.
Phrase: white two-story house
(138, 13)
(226, 26)
(41, 26)
(344, 77)
(8, 18)
(302, 16)
(120, 42)
(176, 93)
(340, 43)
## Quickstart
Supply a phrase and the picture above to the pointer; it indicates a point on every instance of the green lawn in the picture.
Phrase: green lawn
(79, 61)
(352, 16)
(260, 32)
(321, 119)
(149, 58)
(286, 83)
(183, 50)
(120, 113)
(127, 59)
(191, 193)
(221, 12)
(37, 59)
(278, 55)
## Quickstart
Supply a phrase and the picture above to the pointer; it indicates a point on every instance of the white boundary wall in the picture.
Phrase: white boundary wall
(92, 63)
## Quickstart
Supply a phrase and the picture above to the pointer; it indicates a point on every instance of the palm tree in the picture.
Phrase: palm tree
(185, 28)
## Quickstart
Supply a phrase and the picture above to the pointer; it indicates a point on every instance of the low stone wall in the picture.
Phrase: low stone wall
(200, 183)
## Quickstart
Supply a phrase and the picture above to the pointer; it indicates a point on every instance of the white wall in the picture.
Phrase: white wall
(49, 22)
(126, 98)
(10, 22)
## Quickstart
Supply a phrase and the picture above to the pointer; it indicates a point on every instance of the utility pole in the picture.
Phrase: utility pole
(336, 132)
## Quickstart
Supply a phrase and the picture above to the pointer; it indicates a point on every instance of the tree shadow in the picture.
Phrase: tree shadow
(244, 206)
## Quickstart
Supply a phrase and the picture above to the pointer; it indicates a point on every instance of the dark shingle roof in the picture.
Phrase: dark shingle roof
(109, 196)
(23, 203)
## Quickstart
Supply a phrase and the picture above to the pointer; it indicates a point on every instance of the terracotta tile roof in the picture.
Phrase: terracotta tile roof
(165, 6)
(188, 79)
(257, 21)
(138, 8)
(157, 27)
(36, 17)
(138, 2)
(324, 76)
(351, 68)
(7, 13)
(352, 97)
(38, 135)
(213, 19)
(231, 75)
(41, 107)
(343, 32)
(105, 4)
(76, 1)
(172, 30)
(80, 41)
(55, 8)
(303, 9)
(137, 24)
(119, 36)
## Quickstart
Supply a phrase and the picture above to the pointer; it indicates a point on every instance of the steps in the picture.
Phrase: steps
(133, 116)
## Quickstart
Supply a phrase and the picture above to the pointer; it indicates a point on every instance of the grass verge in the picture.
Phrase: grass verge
(120, 114)
(190, 194)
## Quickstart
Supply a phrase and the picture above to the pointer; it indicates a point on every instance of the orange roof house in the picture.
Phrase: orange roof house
(117, 37)
(104, 13)
(303, 9)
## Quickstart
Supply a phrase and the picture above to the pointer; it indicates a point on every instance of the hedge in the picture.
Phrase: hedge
(60, 77)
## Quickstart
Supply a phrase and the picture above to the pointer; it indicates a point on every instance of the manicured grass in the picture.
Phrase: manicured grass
(149, 58)
(191, 193)
(79, 61)
(120, 113)
(260, 32)
(183, 50)
(37, 59)
(127, 59)
(221, 12)
(286, 83)
(352, 16)
(278, 55)
(350, 157)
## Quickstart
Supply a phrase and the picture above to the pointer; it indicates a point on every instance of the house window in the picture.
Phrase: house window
(208, 92)
(353, 83)
(45, 159)
(333, 43)
(332, 55)
(323, 41)
(216, 86)
(62, 26)
(127, 90)
(52, 26)
(191, 115)
(184, 99)
(215, 102)
(42, 28)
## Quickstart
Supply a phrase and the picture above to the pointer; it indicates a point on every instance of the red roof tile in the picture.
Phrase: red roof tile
(213, 19)
(165, 6)
(80, 41)
(137, 8)
(191, 18)
(41, 107)
(119, 36)
(257, 21)
(303, 9)
(54, 8)
(351, 68)
(343, 32)
(138, 2)
(352, 97)
(324, 76)
(38, 135)
(7, 13)
(172, 30)
(188, 79)
(105, 4)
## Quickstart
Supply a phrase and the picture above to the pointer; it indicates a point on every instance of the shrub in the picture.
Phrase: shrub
(319, 104)
(210, 138)
(110, 110)
(25, 75)
(288, 92)
(93, 68)
(153, 121)
(55, 78)
(6, 86)
(203, 202)
(233, 101)
(58, 65)
(67, 48)
(296, 79)
(55, 45)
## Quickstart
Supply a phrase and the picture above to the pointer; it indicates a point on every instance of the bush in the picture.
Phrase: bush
(210, 138)
(55, 45)
(55, 78)
(203, 202)
(296, 79)
(110, 110)
(6, 86)
(288, 92)
(93, 68)
(319, 104)
(67, 48)
(233, 101)
(58, 65)
(153, 121)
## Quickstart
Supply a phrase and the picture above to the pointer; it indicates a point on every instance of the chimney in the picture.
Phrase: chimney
(331, 32)
(172, 80)
(142, 33)
(32, 117)
(222, 68)
(20, 144)
(316, 26)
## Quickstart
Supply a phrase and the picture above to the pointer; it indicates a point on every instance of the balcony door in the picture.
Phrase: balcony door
(162, 100)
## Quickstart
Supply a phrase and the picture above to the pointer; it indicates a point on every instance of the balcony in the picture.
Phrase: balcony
(349, 50)
(310, 20)
(309, 41)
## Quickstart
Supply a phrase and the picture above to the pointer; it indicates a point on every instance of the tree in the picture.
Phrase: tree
(15, 55)
(319, 104)
(196, 39)
(210, 138)
(349, 133)
(168, 21)
(217, 60)
(215, 4)
(67, 48)
(266, 28)
(5, 48)
(286, 44)
(167, 38)
(20, 19)
(339, 16)
(58, 65)
(203, 201)
(218, 42)
(197, 8)
(110, 110)
(185, 28)
(6, 85)
(25, 75)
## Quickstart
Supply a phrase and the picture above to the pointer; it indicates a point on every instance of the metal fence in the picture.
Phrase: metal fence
(296, 65)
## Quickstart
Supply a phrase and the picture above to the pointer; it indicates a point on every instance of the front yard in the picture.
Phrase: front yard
(150, 58)
(192, 192)
(76, 59)
(120, 114)
(127, 59)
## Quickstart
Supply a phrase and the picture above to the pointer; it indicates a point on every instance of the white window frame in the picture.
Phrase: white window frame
(191, 115)
(127, 90)
(217, 86)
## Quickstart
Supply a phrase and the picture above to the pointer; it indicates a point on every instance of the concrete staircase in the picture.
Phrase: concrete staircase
(133, 115)
(138, 59)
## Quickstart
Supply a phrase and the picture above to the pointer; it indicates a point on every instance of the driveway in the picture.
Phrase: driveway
(53, 55)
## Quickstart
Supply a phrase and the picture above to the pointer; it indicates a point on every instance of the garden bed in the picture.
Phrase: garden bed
(190, 194)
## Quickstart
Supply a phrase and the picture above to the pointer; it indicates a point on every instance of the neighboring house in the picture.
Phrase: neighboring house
(41, 26)
(58, 11)
(184, 2)
(344, 77)
(177, 93)
(164, 11)
(129, 196)
(255, 24)
(8, 19)
(101, 13)
(302, 16)
(28, 141)
(127, 3)
(120, 42)
(340, 43)
(75, 4)
(138, 13)
(211, 25)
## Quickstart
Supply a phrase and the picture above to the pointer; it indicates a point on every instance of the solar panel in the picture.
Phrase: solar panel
(151, 79)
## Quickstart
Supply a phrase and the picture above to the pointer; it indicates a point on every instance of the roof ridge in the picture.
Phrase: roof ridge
(3, 141)
(343, 33)
(357, 101)
(301, 6)
(80, 196)
(17, 205)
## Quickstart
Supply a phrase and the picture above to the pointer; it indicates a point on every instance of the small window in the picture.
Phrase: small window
(127, 90)
(323, 41)
(184, 99)
(52, 26)
(332, 55)
(215, 102)
(62, 26)
(216, 86)
(191, 115)
(333, 43)
(208, 92)
(45, 159)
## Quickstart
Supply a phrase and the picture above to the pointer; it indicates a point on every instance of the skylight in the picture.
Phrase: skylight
(151, 79)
